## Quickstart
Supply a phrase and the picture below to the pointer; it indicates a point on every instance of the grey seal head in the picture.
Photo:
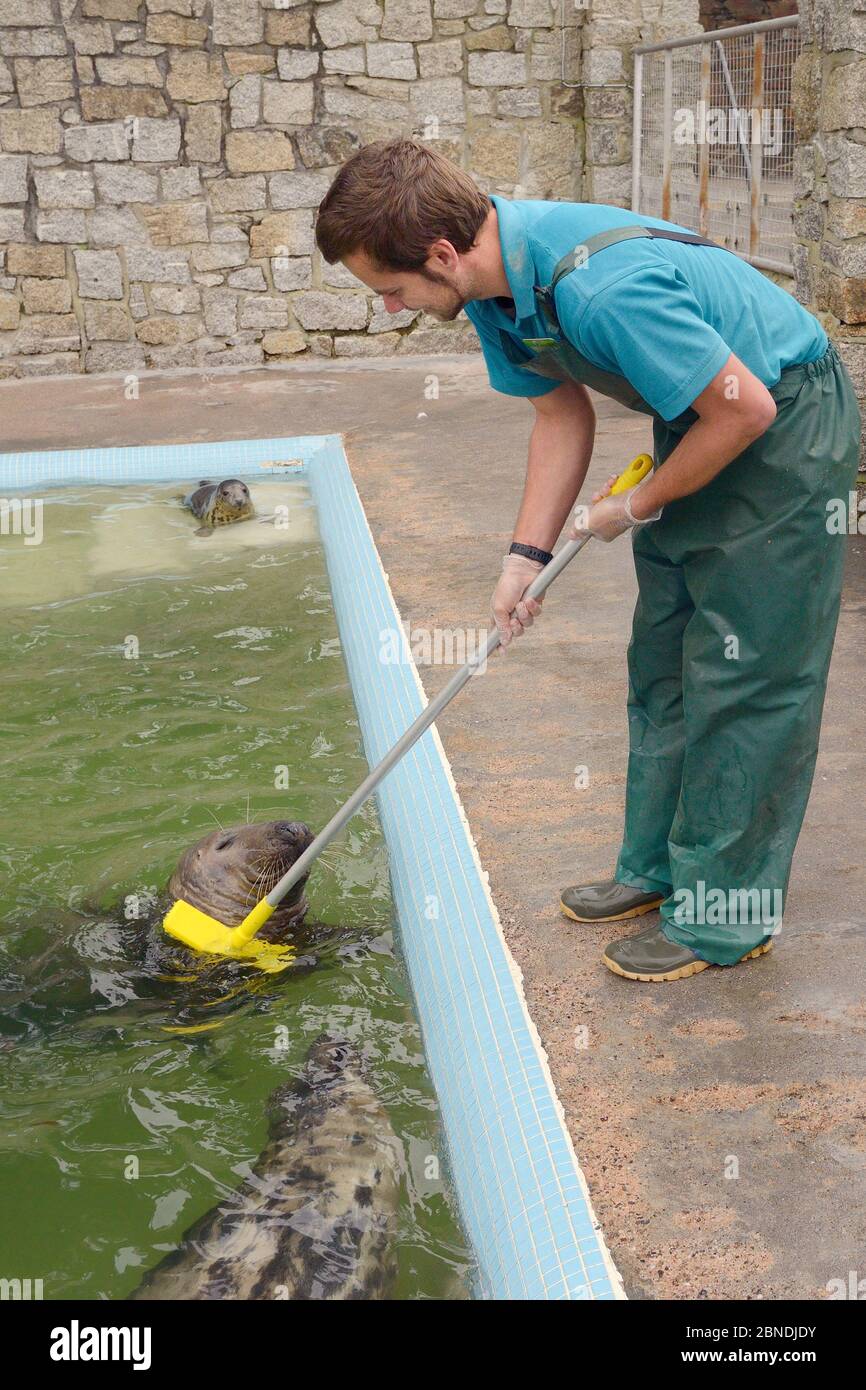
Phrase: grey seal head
(219, 504)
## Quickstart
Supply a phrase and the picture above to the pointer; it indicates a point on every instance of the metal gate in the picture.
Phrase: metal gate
(714, 136)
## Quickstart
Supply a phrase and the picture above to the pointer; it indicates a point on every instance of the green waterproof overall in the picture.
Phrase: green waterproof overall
(739, 593)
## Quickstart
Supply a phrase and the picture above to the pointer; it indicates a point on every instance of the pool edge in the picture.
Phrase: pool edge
(523, 1197)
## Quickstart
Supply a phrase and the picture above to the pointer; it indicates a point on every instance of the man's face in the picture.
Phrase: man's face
(432, 289)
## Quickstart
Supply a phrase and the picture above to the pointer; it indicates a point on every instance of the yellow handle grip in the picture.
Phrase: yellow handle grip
(637, 469)
(251, 924)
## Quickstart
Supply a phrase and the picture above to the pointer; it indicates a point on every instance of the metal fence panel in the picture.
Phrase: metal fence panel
(714, 136)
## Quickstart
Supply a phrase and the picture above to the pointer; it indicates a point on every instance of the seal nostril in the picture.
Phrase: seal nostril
(292, 830)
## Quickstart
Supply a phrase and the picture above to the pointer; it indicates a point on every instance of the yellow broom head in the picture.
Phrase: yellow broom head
(205, 934)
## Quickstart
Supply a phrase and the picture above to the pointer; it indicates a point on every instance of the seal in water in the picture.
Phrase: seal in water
(317, 1217)
(228, 871)
(219, 504)
(120, 968)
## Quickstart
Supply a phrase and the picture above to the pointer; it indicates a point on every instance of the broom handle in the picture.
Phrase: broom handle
(636, 470)
(427, 716)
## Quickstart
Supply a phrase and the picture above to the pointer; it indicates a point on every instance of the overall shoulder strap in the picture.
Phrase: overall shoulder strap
(580, 254)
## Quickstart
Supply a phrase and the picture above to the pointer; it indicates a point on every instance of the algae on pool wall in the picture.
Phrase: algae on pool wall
(156, 683)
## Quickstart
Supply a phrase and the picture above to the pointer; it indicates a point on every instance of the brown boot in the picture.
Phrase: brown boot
(607, 901)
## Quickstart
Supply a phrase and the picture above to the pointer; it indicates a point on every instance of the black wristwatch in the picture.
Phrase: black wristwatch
(531, 552)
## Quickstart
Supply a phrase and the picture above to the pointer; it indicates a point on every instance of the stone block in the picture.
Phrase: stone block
(26, 12)
(32, 43)
(298, 190)
(206, 258)
(13, 178)
(117, 184)
(129, 72)
(106, 322)
(322, 309)
(283, 234)
(90, 38)
(263, 311)
(441, 59)
(168, 331)
(61, 225)
(251, 152)
(497, 69)
(89, 144)
(407, 19)
(174, 224)
(292, 273)
(195, 77)
(287, 103)
(326, 145)
(64, 188)
(395, 60)
(99, 274)
(203, 134)
(294, 65)
(116, 103)
(30, 132)
(362, 345)
(48, 333)
(46, 296)
(288, 28)
(251, 277)
(220, 313)
(155, 141)
(43, 80)
(348, 60)
(110, 9)
(166, 267)
(241, 62)
(9, 312)
(117, 357)
(347, 21)
(115, 226)
(175, 30)
(238, 195)
(182, 182)
(176, 299)
(36, 260)
(283, 343)
(245, 102)
(238, 22)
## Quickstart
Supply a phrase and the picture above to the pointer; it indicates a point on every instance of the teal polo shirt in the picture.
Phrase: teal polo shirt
(663, 314)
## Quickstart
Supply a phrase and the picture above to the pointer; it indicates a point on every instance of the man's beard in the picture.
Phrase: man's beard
(458, 302)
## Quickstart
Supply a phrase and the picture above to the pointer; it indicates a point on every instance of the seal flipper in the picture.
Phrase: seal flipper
(204, 531)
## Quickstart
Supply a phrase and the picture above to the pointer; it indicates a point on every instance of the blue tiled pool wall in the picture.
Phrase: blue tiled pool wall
(522, 1197)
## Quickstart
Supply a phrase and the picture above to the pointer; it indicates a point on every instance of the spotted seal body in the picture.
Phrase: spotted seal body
(219, 504)
(317, 1217)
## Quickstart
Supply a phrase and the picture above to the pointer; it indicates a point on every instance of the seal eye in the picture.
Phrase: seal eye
(224, 844)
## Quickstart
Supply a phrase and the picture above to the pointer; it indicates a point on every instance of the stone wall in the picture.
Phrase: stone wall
(160, 160)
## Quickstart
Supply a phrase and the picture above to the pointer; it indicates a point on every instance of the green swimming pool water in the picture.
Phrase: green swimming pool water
(156, 683)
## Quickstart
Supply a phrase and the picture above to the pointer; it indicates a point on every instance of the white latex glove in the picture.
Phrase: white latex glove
(511, 613)
(610, 516)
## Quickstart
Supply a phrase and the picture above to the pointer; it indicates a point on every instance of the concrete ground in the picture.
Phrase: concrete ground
(721, 1120)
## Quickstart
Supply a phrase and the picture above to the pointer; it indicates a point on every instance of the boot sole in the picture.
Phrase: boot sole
(618, 917)
(693, 968)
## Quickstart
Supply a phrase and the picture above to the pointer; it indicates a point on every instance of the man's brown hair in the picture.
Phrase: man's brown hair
(392, 200)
